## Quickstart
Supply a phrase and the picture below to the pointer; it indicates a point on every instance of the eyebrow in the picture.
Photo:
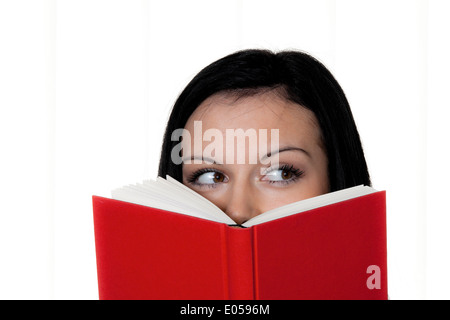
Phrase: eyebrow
(286, 149)
(201, 158)
(268, 155)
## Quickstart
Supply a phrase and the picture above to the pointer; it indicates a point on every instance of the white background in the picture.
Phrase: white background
(86, 88)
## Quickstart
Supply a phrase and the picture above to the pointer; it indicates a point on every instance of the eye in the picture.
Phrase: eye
(207, 177)
(210, 178)
(282, 174)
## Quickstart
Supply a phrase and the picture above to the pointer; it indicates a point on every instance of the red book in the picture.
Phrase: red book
(330, 250)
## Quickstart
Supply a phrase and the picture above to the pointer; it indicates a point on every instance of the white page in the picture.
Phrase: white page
(309, 204)
(171, 195)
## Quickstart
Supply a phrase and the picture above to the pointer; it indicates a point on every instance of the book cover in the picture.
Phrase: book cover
(330, 250)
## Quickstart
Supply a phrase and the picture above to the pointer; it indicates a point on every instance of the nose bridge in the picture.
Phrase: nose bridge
(242, 203)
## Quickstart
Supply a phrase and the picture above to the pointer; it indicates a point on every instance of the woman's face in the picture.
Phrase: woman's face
(226, 172)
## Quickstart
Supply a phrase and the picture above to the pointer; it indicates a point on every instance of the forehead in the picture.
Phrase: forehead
(267, 110)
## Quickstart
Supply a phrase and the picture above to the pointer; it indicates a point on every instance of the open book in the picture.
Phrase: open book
(161, 240)
(161, 193)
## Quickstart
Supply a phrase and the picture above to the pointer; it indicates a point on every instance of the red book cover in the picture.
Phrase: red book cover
(337, 251)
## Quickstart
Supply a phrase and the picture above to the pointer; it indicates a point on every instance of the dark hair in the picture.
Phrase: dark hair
(305, 81)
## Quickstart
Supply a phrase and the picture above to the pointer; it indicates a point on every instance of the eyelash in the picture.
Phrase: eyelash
(194, 176)
(297, 173)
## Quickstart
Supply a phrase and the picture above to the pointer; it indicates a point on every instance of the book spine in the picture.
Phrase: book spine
(239, 264)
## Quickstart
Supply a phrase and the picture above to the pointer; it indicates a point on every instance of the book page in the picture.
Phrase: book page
(309, 204)
(171, 195)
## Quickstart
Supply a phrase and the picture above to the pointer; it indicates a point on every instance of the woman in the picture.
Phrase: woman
(319, 149)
